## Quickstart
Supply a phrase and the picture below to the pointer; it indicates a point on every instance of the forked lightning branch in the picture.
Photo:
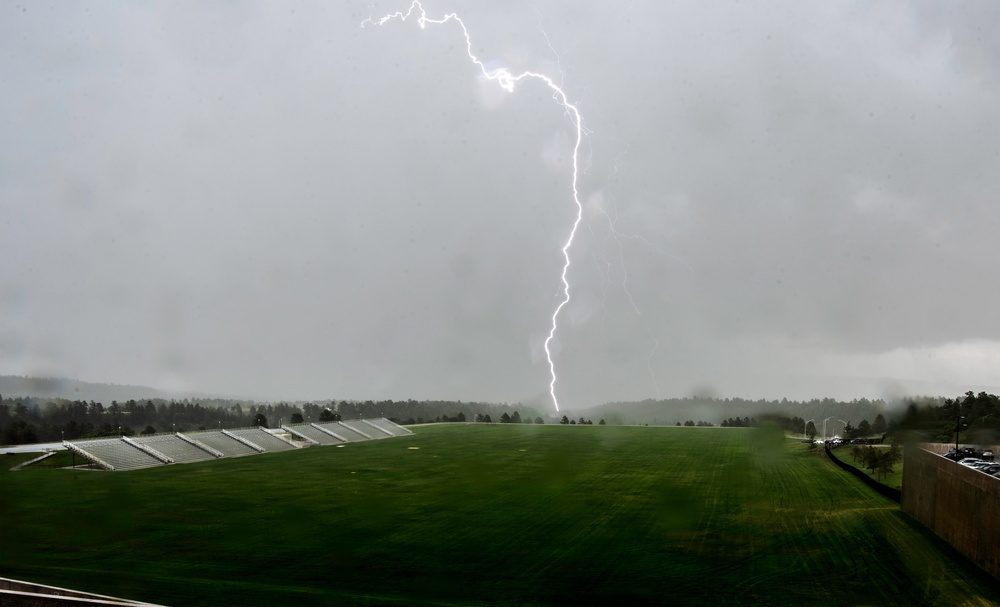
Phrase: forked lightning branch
(507, 80)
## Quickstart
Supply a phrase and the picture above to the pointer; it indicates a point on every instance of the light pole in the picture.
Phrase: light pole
(983, 432)
(71, 452)
(824, 426)
(844, 431)
(958, 421)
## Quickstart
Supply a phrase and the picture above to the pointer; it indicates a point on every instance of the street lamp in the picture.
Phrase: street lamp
(984, 432)
(844, 431)
(824, 426)
(958, 424)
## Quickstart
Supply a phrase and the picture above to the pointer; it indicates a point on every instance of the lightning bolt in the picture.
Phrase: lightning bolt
(507, 80)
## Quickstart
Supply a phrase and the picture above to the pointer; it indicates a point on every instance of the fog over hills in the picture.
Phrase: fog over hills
(706, 407)
(713, 410)
(12, 386)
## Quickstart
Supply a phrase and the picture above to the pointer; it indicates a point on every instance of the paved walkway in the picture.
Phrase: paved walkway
(35, 448)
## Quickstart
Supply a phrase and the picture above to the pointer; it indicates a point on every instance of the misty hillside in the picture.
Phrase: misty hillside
(649, 411)
(12, 386)
(715, 410)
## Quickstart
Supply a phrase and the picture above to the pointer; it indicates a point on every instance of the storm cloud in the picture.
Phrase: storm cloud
(780, 199)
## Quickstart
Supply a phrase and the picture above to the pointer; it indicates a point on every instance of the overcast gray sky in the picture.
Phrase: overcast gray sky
(781, 199)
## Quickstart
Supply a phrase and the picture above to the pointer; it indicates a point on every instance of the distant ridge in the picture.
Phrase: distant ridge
(678, 410)
(72, 389)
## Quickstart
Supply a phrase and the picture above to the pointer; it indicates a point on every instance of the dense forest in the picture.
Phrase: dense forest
(968, 419)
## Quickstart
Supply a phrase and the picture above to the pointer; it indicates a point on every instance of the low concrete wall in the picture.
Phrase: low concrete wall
(884, 490)
(957, 503)
(942, 448)
(16, 593)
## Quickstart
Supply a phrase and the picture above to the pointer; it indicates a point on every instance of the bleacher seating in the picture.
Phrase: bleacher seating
(121, 454)
(365, 431)
(316, 434)
(341, 431)
(262, 437)
(175, 447)
(118, 453)
(390, 428)
(228, 446)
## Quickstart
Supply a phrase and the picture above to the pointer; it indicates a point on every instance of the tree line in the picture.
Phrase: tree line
(29, 419)
(876, 460)
(566, 421)
(970, 418)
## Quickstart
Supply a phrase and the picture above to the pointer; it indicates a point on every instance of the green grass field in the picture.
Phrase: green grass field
(504, 514)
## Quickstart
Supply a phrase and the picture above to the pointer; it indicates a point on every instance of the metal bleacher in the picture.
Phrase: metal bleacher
(315, 434)
(127, 453)
(390, 428)
(363, 430)
(263, 438)
(175, 447)
(228, 446)
(114, 454)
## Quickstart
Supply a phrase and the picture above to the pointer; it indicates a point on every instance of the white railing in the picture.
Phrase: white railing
(245, 441)
(309, 440)
(100, 462)
(149, 450)
(398, 427)
(201, 445)
(330, 432)
(352, 428)
(379, 428)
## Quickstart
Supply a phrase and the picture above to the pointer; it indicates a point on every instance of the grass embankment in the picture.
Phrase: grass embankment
(503, 514)
(11, 460)
(59, 459)
(893, 479)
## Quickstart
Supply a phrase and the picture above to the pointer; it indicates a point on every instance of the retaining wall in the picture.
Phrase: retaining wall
(942, 448)
(16, 593)
(957, 503)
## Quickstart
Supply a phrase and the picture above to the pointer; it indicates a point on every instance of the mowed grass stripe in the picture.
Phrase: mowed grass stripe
(501, 514)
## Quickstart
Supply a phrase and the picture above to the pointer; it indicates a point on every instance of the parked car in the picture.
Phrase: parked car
(968, 461)
(991, 469)
(988, 455)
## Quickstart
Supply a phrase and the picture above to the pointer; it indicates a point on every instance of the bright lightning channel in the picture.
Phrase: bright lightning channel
(507, 80)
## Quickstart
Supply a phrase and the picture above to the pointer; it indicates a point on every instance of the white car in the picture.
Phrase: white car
(969, 461)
